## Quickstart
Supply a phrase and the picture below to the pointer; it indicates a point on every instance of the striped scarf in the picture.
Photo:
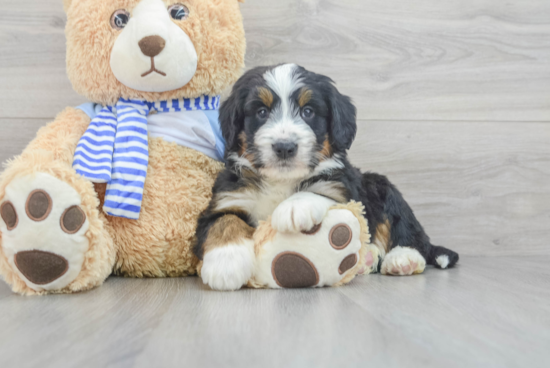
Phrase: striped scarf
(115, 150)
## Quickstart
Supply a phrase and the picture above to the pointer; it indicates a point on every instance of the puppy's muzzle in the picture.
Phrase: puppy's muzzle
(285, 150)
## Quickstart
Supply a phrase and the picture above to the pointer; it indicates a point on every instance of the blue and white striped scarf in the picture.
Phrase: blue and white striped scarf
(115, 150)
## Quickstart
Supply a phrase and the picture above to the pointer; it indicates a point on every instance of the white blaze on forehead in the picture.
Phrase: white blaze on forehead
(285, 124)
(284, 81)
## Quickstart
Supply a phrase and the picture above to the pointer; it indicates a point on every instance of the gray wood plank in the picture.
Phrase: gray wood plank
(16, 134)
(399, 60)
(479, 188)
(33, 81)
(487, 312)
(403, 60)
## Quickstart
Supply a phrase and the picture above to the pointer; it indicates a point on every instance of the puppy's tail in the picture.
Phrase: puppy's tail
(442, 257)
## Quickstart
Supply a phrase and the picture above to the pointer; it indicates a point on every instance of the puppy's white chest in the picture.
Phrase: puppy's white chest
(269, 198)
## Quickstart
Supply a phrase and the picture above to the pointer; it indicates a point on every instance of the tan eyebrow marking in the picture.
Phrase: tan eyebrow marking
(326, 151)
(305, 96)
(266, 96)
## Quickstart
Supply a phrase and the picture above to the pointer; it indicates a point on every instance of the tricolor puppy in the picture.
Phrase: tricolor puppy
(287, 132)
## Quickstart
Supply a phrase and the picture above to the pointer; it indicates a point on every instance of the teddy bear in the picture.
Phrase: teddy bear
(332, 253)
(115, 186)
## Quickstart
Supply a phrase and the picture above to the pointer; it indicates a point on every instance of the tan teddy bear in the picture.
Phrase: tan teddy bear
(117, 185)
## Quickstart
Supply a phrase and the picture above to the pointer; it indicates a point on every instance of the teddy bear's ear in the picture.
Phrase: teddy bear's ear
(66, 4)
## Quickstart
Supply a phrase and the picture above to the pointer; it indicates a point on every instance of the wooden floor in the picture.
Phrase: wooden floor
(454, 106)
(486, 313)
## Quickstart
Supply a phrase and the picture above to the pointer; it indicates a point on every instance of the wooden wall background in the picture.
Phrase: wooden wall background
(453, 99)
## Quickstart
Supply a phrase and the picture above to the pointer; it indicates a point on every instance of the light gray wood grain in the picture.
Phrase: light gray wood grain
(434, 60)
(16, 134)
(479, 188)
(403, 60)
(33, 81)
(488, 312)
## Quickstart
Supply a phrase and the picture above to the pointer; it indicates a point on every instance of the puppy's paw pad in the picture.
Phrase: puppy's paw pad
(228, 267)
(403, 261)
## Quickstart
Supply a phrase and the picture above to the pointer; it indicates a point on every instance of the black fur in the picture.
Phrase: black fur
(336, 118)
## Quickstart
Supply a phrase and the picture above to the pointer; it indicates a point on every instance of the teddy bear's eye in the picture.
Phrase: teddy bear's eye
(119, 19)
(178, 11)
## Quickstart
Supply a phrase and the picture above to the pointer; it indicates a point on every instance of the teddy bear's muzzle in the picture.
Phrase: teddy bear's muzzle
(41, 267)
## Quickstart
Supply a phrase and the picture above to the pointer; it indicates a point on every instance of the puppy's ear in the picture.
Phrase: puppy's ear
(343, 115)
(232, 110)
(232, 117)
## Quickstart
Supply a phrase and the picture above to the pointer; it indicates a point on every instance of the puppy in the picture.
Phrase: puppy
(287, 131)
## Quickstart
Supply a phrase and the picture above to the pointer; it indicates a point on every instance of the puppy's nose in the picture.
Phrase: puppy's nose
(152, 45)
(285, 150)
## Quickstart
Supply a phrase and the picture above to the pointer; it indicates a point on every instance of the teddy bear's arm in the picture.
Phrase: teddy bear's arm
(47, 207)
(61, 136)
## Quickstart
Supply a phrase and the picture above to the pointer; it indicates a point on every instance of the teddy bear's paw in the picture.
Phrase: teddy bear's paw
(43, 231)
(301, 212)
(322, 256)
(403, 261)
(228, 267)
(370, 261)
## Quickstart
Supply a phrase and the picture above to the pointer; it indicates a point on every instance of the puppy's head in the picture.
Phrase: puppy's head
(287, 123)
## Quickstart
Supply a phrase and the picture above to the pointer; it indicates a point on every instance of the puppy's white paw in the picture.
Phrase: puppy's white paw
(228, 267)
(301, 212)
(403, 261)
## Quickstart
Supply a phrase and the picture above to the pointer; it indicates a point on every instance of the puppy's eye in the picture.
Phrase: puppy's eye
(178, 11)
(120, 19)
(262, 113)
(308, 113)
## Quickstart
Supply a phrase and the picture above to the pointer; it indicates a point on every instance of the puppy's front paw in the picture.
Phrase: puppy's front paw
(228, 267)
(301, 212)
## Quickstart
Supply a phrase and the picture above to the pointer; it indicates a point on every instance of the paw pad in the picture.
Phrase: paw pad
(39, 205)
(72, 220)
(340, 236)
(9, 215)
(38, 211)
(40, 267)
(293, 270)
(347, 264)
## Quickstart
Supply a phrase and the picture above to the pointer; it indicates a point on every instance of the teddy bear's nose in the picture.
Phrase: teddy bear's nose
(152, 45)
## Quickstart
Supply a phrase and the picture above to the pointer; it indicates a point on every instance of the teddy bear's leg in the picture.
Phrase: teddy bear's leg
(53, 238)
